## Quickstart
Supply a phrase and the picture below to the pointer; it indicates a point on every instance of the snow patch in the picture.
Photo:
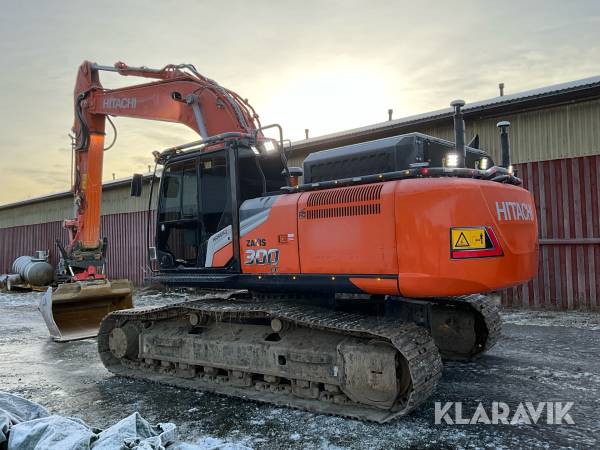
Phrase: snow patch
(210, 443)
(569, 319)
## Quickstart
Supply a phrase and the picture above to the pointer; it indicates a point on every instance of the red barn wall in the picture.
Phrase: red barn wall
(127, 250)
(567, 197)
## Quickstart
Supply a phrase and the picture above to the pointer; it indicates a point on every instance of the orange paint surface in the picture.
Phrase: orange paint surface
(282, 221)
(401, 228)
(223, 256)
(90, 230)
(425, 211)
(348, 231)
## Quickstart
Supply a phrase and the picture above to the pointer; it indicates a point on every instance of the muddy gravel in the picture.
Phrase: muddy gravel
(541, 357)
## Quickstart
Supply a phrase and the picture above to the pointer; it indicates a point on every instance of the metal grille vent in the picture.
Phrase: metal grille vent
(369, 193)
(342, 211)
(345, 195)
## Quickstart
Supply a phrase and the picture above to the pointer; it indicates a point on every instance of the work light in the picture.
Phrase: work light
(451, 160)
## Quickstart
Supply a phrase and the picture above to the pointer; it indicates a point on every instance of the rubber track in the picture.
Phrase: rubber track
(412, 341)
(490, 313)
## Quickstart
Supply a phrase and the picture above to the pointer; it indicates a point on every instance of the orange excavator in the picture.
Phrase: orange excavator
(338, 295)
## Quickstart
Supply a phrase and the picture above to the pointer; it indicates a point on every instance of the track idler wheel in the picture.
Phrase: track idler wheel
(123, 342)
(463, 328)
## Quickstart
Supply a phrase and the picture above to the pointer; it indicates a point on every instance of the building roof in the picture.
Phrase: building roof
(550, 95)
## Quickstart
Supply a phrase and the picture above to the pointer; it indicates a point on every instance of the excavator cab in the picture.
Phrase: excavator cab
(196, 195)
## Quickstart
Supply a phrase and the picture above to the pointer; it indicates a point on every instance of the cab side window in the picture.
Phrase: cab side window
(178, 236)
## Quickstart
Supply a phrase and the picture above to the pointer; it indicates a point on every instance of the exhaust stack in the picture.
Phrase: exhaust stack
(459, 132)
(504, 142)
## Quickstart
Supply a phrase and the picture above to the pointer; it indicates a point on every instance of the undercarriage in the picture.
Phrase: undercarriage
(368, 366)
(463, 328)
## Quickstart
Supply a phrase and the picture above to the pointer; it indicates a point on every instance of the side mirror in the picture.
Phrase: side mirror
(136, 185)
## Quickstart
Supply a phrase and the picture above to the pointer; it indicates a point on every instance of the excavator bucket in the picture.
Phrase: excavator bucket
(74, 310)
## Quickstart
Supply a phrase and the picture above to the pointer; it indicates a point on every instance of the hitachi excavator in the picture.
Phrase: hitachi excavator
(339, 295)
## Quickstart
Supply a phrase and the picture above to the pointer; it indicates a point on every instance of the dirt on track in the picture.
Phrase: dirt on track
(540, 357)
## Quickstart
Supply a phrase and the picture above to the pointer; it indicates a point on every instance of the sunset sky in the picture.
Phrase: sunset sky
(323, 65)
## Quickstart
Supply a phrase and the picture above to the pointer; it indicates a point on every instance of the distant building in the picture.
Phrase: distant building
(555, 143)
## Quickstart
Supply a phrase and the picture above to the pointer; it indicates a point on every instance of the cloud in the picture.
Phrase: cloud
(327, 66)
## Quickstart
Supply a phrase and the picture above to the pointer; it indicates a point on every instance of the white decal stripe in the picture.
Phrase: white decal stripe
(215, 243)
(220, 239)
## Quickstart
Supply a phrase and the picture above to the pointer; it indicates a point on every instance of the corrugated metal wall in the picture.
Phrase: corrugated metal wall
(551, 133)
(115, 200)
(127, 253)
(567, 197)
(25, 240)
(126, 233)
(557, 132)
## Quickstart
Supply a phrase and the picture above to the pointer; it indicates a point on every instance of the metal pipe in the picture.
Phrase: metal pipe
(215, 138)
(580, 241)
(459, 132)
(12, 280)
(281, 149)
(501, 87)
(504, 142)
(390, 112)
(232, 153)
(192, 100)
(104, 68)
(115, 69)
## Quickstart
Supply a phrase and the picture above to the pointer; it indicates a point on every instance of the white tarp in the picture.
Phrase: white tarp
(49, 433)
(26, 425)
(14, 410)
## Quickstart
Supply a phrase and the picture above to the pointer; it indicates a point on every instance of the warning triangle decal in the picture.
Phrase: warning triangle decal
(461, 241)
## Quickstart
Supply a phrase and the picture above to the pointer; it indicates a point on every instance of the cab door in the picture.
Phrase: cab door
(194, 207)
(177, 237)
(215, 211)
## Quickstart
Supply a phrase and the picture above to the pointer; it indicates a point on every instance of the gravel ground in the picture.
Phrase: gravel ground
(542, 356)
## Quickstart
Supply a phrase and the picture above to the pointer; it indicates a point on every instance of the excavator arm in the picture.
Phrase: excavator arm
(178, 93)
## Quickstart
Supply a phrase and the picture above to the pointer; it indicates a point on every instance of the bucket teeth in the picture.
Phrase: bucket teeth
(74, 310)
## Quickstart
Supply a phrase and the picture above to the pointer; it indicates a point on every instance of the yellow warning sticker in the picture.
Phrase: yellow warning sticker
(467, 238)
